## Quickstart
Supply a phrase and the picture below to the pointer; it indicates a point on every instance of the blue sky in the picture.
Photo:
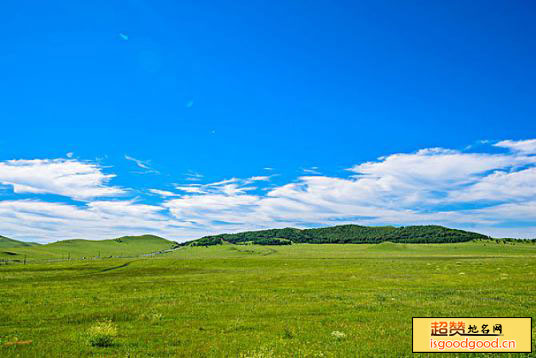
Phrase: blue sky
(162, 117)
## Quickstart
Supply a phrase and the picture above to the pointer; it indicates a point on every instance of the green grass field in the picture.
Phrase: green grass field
(6, 242)
(76, 249)
(262, 301)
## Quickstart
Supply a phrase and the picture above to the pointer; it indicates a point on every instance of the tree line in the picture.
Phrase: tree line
(345, 234)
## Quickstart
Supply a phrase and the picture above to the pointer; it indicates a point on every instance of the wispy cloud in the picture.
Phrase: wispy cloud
(431, 185)
(143, 164)
(312, 170)
(259, 178)
(226, 187)
(163, 193)
(193, 176)
(492, 192)
(190, 188)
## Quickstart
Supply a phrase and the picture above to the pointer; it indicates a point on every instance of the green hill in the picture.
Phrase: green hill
(346, 234)
(123, 246)
(6, 242)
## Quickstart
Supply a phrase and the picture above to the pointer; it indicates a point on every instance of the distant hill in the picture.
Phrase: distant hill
(6, 242)
(123, 246)
(345, 234)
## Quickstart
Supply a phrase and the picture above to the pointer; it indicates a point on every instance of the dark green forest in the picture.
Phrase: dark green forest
(344, 234)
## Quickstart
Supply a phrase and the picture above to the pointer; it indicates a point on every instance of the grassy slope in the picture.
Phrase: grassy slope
(6, 242)
(125, 246)
(255, 301)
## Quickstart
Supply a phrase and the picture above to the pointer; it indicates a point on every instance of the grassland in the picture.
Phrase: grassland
(262, 301)
(7, 242)
(76, 249)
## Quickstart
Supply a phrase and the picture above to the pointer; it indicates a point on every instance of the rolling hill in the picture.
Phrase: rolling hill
(344, 234)
(6, 242)
(123, 246)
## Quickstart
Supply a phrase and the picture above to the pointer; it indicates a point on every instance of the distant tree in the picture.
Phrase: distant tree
(346, 234)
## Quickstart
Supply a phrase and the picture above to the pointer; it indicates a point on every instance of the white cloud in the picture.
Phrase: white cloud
(499, 186)
(259, 178)
(425, 187)
(516, 212)
(312, 170)
(522, 146)
(193, 176)
(493, 193)
(205, 209)
(222, 182)
(429, 175)
(143, 164)
(128, 209)
(436, 165)
(228, 186)
(163, 193)
(71, 178)
(35, 220)
(190, 188)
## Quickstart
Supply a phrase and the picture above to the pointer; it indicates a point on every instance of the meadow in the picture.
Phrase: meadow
(302, 300)
(127, 246)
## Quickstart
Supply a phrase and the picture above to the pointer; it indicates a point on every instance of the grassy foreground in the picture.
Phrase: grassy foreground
(257, 301)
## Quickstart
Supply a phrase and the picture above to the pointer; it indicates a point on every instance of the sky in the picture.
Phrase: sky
(184, 119)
